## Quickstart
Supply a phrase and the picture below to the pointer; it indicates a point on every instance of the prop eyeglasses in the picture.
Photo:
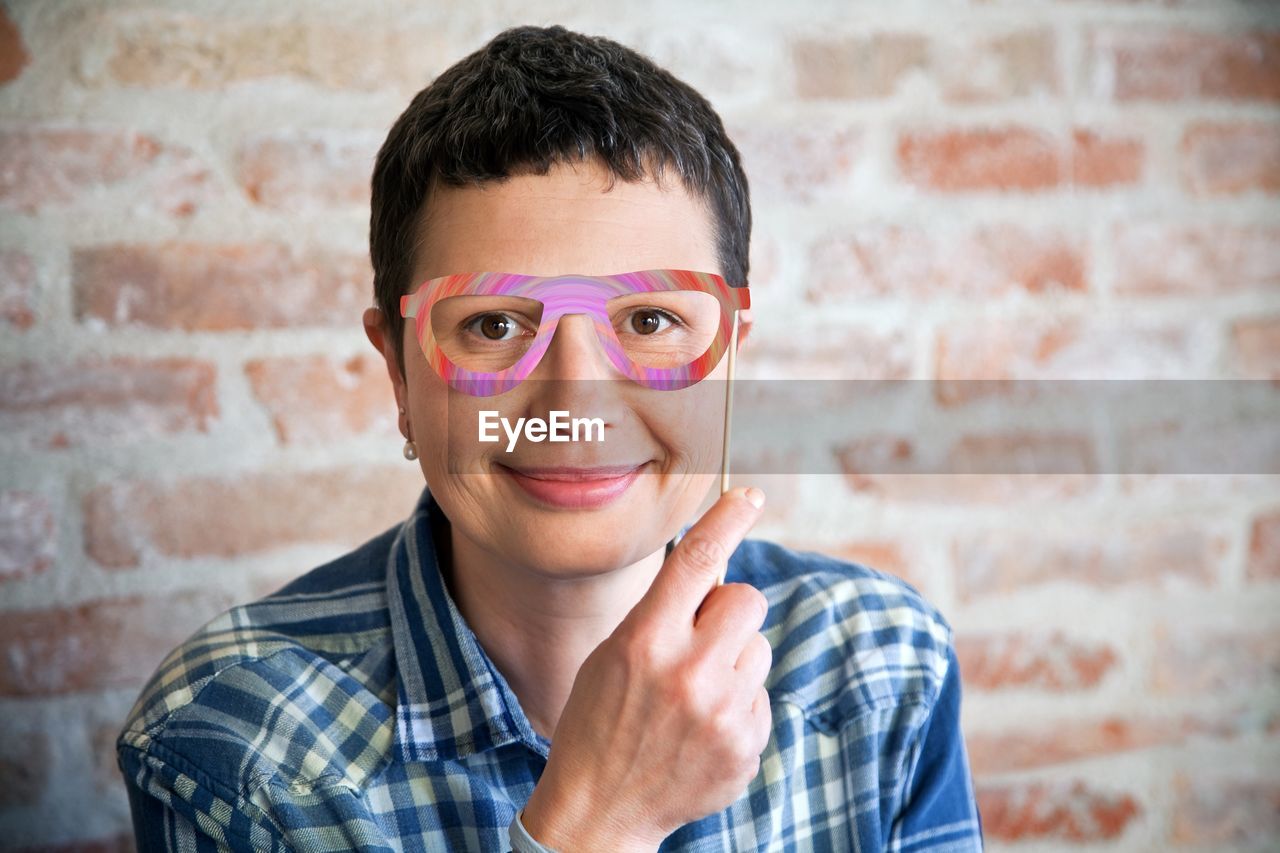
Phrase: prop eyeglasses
(485, 332)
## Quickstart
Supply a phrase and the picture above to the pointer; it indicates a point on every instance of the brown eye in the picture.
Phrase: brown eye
(646, 322)
(495, 326)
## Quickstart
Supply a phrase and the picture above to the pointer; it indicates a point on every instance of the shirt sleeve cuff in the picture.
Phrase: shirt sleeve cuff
(522, 841)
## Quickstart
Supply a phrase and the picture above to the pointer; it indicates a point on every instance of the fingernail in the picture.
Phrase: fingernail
(756, 497)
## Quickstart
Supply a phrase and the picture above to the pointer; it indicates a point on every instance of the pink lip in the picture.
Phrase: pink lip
(575, 488)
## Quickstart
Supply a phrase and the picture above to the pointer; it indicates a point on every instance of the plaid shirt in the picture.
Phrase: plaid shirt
(354, 709)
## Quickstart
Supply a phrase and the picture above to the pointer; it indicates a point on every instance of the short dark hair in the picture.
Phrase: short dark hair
(533, 97)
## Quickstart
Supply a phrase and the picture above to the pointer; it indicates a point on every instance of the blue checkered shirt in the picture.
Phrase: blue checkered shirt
(354, 709)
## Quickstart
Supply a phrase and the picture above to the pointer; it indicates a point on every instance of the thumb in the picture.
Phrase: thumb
(694, 566)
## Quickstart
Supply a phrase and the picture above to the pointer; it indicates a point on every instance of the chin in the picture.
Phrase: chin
(585, 547)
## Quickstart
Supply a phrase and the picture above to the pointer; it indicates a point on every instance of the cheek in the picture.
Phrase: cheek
(435, 417)
(689, 424)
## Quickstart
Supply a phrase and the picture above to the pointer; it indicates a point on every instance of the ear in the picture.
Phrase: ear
(379, 334)
(744, 327)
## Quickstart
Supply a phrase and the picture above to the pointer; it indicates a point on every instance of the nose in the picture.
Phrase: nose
(578, 369)
(574, 352)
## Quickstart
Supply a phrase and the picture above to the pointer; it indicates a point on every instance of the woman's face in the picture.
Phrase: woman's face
(546, 225)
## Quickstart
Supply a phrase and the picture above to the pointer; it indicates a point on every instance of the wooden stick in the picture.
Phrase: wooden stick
(728, 417)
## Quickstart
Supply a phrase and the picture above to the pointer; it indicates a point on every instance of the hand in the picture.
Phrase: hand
(668, 716)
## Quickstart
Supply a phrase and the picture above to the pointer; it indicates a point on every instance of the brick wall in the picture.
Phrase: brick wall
(942, 189)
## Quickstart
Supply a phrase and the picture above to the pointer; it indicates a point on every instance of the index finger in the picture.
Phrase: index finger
(696, 565)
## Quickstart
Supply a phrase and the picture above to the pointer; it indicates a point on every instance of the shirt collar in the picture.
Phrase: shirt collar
(453, 702)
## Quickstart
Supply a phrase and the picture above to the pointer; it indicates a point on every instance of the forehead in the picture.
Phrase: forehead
(567, 221)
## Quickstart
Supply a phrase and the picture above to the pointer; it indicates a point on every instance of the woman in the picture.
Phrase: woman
(526, 661)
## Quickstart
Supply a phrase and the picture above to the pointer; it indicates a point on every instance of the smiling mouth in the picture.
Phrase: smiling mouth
(573, 488)
(568, 474)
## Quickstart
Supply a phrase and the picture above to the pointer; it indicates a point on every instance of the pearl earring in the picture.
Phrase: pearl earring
(410, 450)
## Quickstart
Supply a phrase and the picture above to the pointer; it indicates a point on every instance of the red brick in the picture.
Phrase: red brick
(1264, 547)
(902, 262)
(1240, 439)
(1255, 347)
(26, 758)
(13, 53)
(1166, 65)
(99, 644)
(1023, 452)
(1201, 661)
(982, 159)
(28, 541)
(798, 162)
(990, 350)
(1179, 487)
(1152, 555)
(108, 539)
(17, 285)
(1103, 161)
(1019, 64)
(1073, 811)
(309, 170)
(1011, 65)
(1019, 393)
(1017, 158)
(1195, 260)
(869, 66)
(224, 518)
(826, 351)
(1038, 661)
(1226, 159)
(883, 555)
(996, 489)
(768, 409)
(54, 167)
(1070, 740)
(156, 49)
(314, 400)
(1038, 347)
(1209, 809)
(198, 287)
(877, 454)
(57, 405)
(778, 461)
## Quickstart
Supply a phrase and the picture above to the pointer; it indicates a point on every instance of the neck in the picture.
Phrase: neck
(539, 630)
